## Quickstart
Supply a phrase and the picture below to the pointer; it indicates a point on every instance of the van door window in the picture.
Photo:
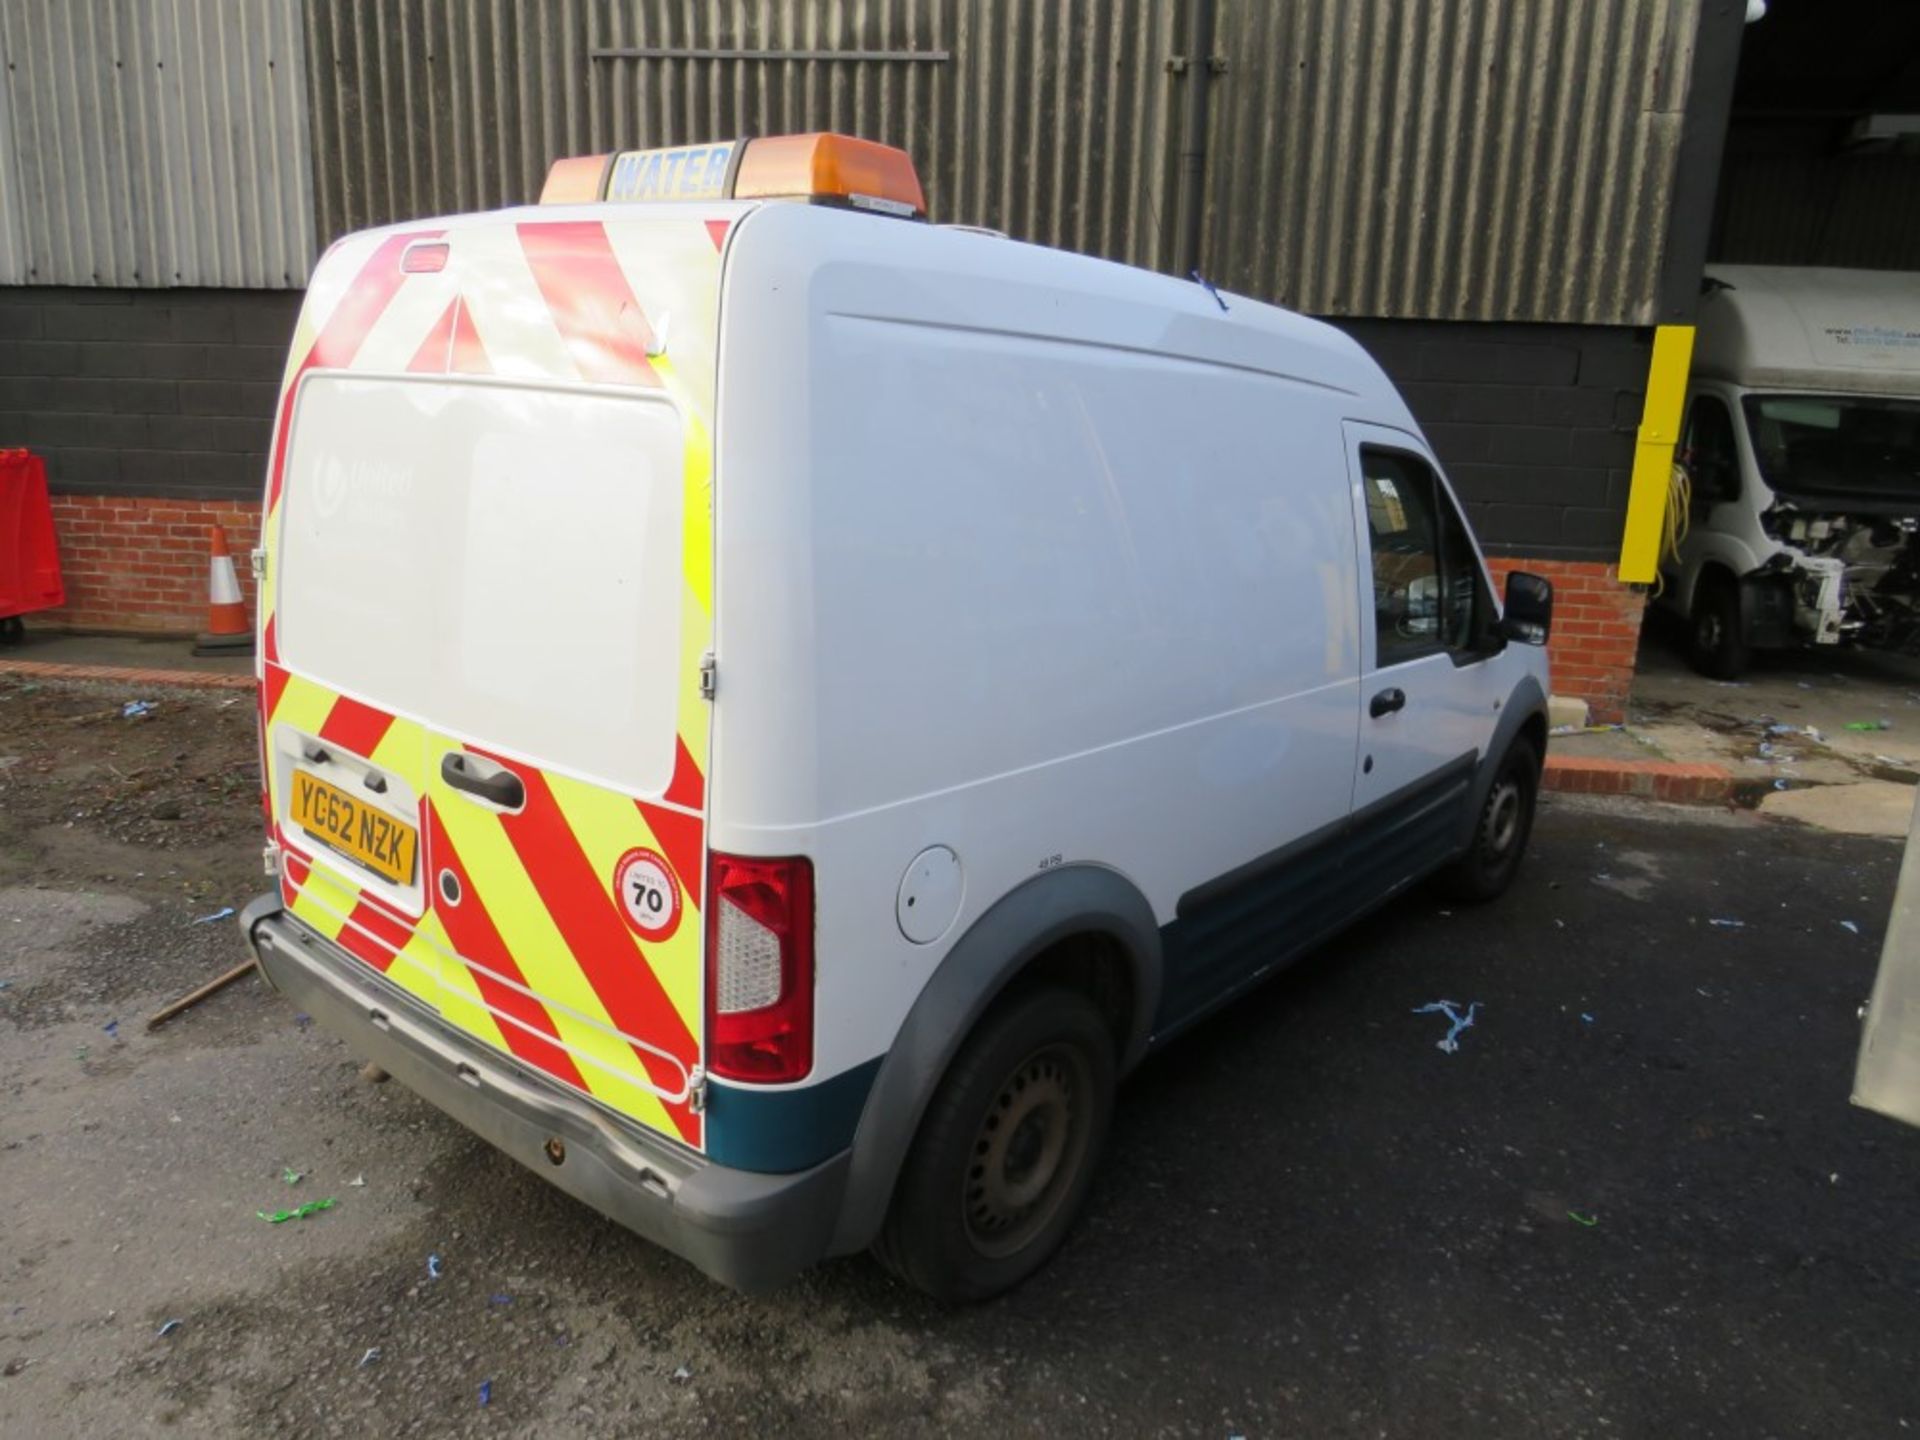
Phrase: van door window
(1708, 453)
(1428, 594)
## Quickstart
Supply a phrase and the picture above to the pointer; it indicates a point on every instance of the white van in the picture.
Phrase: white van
(771, 706)
(1802, 449)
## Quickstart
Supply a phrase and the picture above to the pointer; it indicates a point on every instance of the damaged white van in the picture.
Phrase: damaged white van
(1801, 448)
(771, 706)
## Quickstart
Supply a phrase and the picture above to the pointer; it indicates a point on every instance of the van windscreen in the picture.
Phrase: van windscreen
(499, 561)
(1837, 448)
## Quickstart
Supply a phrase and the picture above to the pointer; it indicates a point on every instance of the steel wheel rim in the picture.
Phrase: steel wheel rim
(1502, 823)
(1026, 1151)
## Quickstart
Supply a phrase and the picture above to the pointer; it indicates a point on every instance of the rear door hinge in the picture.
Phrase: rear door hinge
(697, 1090)
(709, 676)
(257, 560)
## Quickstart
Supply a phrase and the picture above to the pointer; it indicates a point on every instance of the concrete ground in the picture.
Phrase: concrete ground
(1635, 1202)
(1827, 737)
(146, 652)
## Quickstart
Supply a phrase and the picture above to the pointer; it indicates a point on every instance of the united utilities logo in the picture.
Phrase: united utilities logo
(373, 492)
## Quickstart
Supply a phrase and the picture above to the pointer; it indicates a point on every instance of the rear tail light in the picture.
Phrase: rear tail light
(759, 968)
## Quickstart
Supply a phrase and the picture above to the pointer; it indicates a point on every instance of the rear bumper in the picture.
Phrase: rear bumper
(747, 1230)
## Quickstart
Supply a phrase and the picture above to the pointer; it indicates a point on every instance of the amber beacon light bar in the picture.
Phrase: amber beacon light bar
(823, 167)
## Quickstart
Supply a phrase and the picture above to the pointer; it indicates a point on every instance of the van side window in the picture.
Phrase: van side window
(1708, 452)
(1427, 591)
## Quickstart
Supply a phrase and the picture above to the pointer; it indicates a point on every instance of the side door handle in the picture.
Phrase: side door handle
(502, 788)
(1387, 701)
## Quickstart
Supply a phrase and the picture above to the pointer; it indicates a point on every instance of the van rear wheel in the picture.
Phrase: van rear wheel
(1006, 1152)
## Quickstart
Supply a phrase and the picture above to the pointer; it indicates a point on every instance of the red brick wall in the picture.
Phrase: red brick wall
(132, 563)
(1596, 630)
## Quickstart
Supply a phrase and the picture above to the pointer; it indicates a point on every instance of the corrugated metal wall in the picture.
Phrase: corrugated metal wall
(13, 235)
(1046, 118)
(1495, 160)
(1476, 160)
(1812, 206)
(158, 142)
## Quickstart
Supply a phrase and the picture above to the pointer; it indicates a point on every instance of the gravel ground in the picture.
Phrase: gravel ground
(1311, 1220)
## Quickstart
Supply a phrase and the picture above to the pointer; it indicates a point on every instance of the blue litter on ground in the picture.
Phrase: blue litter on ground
(169, 1327)
(216, 915)
(1458, 1021)
(112, 1027)
(433, 1267)
(486, 1391)
(1588, 1019)
(500, 1300)
(1850, 927)
(134, 709)
(1729, 924)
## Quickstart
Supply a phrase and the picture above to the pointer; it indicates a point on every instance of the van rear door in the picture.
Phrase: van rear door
(485, 730)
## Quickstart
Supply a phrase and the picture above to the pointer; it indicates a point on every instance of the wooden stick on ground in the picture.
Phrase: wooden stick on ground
(167, 1012)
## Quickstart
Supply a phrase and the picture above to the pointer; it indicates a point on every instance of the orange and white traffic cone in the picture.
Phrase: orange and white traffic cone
(227, 632)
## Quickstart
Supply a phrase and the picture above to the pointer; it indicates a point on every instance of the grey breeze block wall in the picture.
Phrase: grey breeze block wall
(170, 393)
(1535, 424)
(164, 393)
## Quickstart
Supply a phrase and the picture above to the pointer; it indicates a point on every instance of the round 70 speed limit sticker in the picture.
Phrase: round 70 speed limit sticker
(649, 895)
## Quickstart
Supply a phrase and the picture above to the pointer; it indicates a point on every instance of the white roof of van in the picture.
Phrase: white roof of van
(1778, 327)
(1062, 294)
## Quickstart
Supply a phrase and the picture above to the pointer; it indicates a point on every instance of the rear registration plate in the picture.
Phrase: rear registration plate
(355, 829)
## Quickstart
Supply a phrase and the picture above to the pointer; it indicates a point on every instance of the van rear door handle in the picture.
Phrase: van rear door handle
(1388, 701)
(502, 788)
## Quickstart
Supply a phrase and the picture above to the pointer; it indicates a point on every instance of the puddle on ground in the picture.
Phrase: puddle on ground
(1643, 872)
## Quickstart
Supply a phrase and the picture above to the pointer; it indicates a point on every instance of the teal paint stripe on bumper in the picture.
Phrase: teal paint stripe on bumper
(778, 1131)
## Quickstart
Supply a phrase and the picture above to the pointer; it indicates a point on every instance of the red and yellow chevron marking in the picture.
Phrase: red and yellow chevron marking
(452, 347)
(590, 301)
(629, 1012)
(536, 959)
(322, 894)
(528, 1030)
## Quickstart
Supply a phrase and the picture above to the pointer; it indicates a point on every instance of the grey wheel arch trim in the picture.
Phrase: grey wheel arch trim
(1072, 900)
(1522, 705)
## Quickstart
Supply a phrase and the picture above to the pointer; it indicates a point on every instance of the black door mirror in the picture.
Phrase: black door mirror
(1528, 614)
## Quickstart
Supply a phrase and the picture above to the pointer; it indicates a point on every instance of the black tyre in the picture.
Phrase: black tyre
(1716, 644)
(1501, 830)
(1006, 1152)
(13, 630)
